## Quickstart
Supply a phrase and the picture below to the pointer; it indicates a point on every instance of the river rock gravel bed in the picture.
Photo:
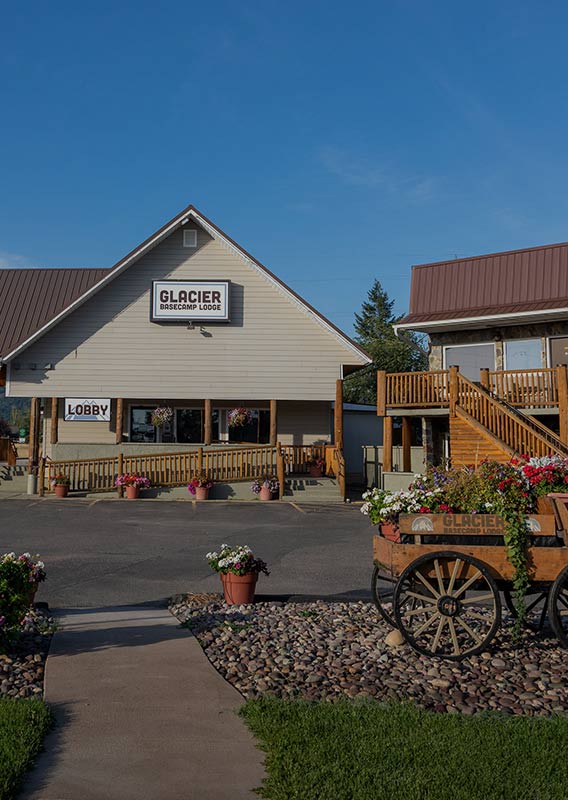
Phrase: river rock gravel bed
(322, 651)
(22, 665)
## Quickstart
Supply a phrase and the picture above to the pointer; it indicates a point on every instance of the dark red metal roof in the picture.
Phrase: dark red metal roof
(29, 298)
(534, 279)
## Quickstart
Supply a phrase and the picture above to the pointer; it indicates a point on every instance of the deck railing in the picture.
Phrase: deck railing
(531, 388)
(414, 389)
(176, 469)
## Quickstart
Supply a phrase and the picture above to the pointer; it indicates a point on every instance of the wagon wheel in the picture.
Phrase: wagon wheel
(558, 607)
(536, 602)
(383, 594)
(460, 609)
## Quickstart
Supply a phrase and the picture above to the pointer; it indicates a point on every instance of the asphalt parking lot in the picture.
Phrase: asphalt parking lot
(108, 552)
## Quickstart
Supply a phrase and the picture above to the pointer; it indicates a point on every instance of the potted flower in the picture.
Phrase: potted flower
(238, 417)
(162, 415)
(19, 577)
(132, 484)
(199, 486)
(61, 485)
(266, 487)
(316, 467)
(239, 571)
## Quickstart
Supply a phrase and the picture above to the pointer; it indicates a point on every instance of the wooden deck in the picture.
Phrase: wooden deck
(492, 418)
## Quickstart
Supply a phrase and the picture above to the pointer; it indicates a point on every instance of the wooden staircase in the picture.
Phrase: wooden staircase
(483, 426)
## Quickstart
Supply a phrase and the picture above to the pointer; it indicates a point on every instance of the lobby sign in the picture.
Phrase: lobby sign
(87, 409)
(190, 301)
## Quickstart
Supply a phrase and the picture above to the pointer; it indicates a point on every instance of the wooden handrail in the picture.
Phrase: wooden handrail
(417, 389)
(518, 433)
(341, 472)
(165, 469)
(529, 388)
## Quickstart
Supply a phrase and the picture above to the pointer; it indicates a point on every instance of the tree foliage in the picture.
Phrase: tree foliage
(374, 332)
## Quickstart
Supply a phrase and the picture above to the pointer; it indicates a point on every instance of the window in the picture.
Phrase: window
(257, 431)
(523, 354)
(189, 425)
(471, 358)
(190, 238)
(558, 351)
(141, 428)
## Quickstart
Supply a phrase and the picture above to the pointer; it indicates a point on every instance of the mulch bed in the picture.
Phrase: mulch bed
(323, 651)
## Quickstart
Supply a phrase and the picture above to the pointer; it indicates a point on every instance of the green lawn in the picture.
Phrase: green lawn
(23, 725)
(365, 751)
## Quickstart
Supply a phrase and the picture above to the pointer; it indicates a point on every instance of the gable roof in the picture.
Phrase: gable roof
(506, 288)
(189, 213)
(30, 298)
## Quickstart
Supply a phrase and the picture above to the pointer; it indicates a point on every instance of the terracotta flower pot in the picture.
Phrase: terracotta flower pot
(239, 589)
(61, 491)
(265, 493)
(132, 492)
(390, 531)
(316, 472)
(201, 493)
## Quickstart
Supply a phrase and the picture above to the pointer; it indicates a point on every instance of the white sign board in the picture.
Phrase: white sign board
(87, 409)
(188, 301)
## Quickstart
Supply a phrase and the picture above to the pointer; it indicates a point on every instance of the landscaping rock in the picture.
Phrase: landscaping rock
(22, 667)
(322, 651)
(394, 639)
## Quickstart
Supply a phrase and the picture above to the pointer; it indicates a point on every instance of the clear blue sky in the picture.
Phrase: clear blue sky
(337, 142)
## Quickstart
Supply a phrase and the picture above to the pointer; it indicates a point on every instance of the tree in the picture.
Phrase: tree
(374, 332)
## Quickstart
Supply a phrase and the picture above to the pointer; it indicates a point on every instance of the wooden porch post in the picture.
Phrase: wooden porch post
(562, 378)
(273, 422)
(338, 415)
(119, 419)
(35, 422)
(406, 452)
(54, 420)
(381, 393)
(387, 444)
(208, 422)
(453, 390)
(484, 378)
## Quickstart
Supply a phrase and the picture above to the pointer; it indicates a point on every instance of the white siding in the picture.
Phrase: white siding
(108, 347)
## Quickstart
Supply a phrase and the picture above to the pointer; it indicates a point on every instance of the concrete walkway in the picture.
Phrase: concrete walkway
(141, 714)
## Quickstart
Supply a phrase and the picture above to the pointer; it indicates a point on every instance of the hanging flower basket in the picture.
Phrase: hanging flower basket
(162, 415)
(238, 417)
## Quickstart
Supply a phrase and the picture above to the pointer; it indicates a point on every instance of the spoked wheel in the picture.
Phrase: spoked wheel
(459, 609)
(536, 602)
(382, 589)
(558, 607)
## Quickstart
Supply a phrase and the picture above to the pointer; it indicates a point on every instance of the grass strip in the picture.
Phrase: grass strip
(352, 750)
(23, 725)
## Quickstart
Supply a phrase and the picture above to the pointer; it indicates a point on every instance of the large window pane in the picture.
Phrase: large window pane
(141, 428)
(471, 358)
(523, 354)
(257, 431)
(558, 351)
(189, 425)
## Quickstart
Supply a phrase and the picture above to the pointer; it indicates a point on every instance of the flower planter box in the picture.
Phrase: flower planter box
(61, 491)
(201, 493)
(265, 494)
(132, 492)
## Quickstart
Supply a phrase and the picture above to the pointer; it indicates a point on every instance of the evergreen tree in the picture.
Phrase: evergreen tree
(374, 332)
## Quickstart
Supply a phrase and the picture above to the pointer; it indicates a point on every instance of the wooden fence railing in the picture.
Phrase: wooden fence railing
(412, 389)
(8, 451)
(176, 469)
(516, 431)
(531, 388)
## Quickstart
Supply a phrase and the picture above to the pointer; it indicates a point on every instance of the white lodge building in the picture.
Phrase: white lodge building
(188, 320)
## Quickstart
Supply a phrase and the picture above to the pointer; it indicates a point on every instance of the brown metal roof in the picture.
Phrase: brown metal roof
(517, 281)
(29, 298)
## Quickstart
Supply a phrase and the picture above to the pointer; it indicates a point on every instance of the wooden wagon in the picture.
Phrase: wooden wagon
(441, 583)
